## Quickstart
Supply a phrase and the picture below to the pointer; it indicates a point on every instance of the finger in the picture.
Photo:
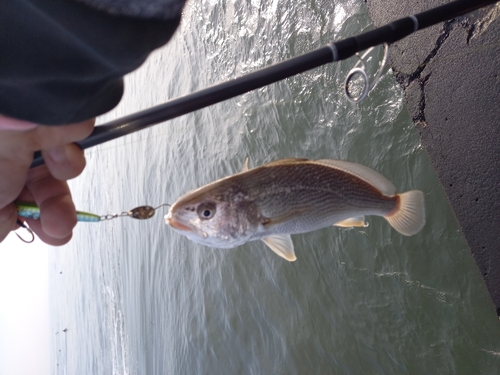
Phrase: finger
(16, 153)
(57, 211)
(36, 226)
(64, 162)
(8, 216)
(47, 137)
(13, 174)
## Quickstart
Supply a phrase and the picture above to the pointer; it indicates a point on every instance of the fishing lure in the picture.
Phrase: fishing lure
(30, 210)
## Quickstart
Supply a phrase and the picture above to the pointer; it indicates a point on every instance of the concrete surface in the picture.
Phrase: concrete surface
(451, 77)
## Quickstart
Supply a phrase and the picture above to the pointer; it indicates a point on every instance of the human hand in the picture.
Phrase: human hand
(45, 185)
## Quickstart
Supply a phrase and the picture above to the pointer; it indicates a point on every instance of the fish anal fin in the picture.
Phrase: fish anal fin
(282, 245)
(408, 217)
(358, 221)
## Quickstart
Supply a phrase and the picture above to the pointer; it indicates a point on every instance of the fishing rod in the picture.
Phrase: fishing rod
(335, 51)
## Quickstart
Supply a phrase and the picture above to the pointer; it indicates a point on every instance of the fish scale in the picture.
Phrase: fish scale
(332, 195)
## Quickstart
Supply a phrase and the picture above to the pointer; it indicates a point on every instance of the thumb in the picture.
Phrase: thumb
(64, 162)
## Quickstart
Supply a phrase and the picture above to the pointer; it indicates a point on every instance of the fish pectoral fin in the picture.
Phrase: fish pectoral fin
(282, 245)
(358, 221)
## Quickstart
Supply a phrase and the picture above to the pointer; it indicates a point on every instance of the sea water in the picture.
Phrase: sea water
(138, 298)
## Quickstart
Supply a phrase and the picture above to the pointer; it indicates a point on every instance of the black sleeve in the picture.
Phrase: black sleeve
(63, 62)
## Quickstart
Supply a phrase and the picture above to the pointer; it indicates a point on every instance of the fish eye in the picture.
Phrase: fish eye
(206, 211)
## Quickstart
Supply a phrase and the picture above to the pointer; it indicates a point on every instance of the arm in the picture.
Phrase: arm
(62, 62)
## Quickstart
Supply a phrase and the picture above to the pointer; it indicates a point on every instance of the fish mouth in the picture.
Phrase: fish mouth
(176, 225)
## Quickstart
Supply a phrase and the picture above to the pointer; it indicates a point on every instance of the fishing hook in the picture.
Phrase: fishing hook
(360, 69)
(30, 231)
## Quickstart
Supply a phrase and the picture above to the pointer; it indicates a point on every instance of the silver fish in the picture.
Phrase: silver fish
(291, 196)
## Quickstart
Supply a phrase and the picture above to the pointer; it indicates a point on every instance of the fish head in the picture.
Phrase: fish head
(219, 216)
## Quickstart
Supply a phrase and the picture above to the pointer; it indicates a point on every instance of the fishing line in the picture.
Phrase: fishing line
(140, 213)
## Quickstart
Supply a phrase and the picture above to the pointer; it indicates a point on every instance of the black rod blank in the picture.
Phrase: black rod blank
(336, 51)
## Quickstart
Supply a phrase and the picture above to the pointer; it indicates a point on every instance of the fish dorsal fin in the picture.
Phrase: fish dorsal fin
(358, 221)
(365, 173)
(245, 166)
(284, 161)
(282, 245)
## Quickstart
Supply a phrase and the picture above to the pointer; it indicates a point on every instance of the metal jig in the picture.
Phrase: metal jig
(23, 225)
(360, 69)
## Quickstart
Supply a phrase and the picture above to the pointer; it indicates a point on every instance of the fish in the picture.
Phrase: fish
(291, 196)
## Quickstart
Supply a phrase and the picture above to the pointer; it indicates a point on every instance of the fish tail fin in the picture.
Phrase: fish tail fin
(408, 217)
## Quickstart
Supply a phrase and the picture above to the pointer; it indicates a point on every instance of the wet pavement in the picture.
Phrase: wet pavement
(450, 73)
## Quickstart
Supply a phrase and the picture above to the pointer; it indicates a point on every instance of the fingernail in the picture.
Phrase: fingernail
(57, 154)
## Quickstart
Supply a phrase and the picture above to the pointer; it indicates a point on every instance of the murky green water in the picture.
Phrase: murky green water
(138, 298)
